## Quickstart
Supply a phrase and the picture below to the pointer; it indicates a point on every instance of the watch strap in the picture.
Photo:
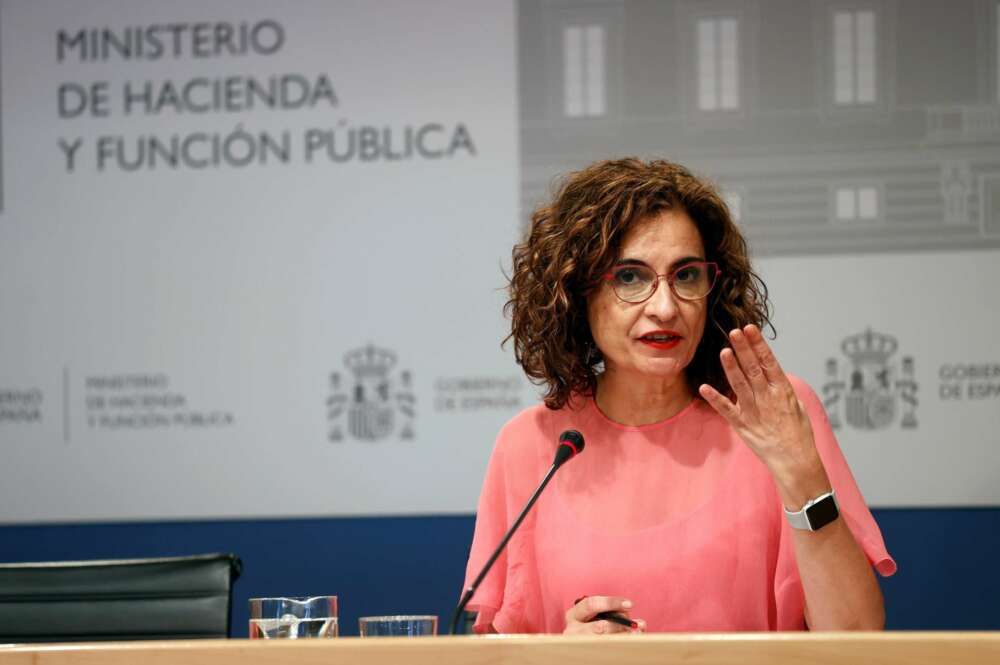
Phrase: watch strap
(804, 519)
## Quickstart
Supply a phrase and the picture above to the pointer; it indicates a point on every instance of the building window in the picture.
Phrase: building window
(584, 49)
(718, 64)
(856, 203)
(854, 57)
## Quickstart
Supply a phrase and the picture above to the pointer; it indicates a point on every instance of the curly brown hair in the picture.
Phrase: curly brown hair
(578, 236)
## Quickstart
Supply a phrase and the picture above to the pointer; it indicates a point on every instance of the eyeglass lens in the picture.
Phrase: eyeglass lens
(691, 281)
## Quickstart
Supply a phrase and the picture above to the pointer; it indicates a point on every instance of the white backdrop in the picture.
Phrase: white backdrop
(302, 325)
(171, 336)
(941, 310)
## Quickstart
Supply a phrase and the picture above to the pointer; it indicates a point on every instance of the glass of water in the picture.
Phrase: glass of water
(401, 625)
(293, 618)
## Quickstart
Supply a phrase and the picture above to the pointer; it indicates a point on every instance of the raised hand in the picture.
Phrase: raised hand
(768, 415)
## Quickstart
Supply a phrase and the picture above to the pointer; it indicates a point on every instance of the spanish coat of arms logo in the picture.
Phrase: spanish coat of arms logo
(375, 402)
(870, 389)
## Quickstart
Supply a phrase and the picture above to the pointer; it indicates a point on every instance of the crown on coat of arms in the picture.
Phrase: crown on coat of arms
(869, 347)
(370, 361)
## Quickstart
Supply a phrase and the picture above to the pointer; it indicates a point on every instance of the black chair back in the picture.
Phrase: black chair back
(137, 599)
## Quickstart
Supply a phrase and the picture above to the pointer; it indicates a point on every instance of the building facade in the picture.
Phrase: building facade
(831, 126)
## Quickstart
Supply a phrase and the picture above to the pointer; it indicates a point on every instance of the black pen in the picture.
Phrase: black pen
(614, 617)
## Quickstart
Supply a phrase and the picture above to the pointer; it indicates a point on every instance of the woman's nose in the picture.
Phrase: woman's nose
(662, 304)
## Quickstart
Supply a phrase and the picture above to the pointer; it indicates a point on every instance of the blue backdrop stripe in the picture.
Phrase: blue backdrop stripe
(947, 575)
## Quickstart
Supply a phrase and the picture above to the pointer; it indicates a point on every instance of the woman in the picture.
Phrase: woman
(633, 302)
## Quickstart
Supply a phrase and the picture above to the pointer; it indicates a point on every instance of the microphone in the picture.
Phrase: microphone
(570, 445)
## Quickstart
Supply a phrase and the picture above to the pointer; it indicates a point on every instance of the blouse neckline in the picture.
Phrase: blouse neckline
(601, 416)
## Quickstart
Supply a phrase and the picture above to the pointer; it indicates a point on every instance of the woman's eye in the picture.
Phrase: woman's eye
(627, 276)
(688, 274)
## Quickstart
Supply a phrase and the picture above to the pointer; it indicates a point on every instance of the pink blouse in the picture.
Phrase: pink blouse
(678, 516)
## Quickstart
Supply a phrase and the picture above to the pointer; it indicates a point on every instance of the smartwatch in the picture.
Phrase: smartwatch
(816, 514)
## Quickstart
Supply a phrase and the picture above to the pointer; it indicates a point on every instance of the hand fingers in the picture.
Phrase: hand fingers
(603, 627)
(745, 399)
(768, 362)
(718, 401)
(749, 361)
(600, 626)
(586, 609)
(580, 618)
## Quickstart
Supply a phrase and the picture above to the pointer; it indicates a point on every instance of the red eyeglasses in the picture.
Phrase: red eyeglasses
(636, 283)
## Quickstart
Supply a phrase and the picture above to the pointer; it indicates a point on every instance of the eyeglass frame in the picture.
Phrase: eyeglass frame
(609, 276)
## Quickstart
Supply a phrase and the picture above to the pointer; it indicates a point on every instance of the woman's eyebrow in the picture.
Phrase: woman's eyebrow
(686, 259)
(639, 262)
(630, 262)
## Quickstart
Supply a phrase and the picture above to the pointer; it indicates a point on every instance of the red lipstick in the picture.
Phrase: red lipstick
(661, 339)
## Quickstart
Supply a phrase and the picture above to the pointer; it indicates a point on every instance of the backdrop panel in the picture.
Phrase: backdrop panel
(250, 257)
(858, 146)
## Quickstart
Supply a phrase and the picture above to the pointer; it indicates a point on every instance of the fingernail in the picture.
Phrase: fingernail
(626, 604)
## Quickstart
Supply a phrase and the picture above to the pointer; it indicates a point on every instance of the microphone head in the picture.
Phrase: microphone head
(570, 444)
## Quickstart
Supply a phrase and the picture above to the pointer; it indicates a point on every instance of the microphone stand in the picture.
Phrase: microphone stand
(467, 596)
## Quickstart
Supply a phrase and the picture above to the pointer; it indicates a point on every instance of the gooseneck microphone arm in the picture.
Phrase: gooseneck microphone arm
(467, 596)
(570, 444)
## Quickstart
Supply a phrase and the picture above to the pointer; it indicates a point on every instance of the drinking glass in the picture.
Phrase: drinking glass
(293, 618)
(402, 625)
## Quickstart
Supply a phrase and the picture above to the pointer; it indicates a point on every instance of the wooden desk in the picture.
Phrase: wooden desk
(691, 649)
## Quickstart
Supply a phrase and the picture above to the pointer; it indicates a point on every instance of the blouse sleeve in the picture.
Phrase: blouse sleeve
(789, 595)
(508, 597)
(490, 526)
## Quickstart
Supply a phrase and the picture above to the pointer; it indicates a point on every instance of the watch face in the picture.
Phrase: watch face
(822, 513)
